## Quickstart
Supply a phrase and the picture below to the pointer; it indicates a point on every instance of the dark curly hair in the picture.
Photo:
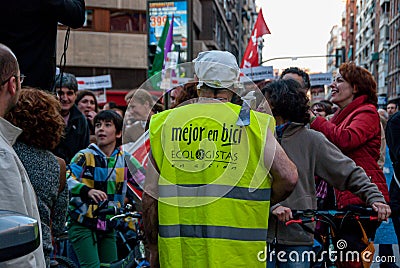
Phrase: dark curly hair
(361, 79)
(287, 100)
(299, 72)
(37, 113)
(188, 92)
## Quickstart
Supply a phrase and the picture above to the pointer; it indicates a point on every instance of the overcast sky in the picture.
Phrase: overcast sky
(299, 28)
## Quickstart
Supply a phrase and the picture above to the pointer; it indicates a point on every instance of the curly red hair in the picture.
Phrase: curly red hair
(37, 113)
(361, 79)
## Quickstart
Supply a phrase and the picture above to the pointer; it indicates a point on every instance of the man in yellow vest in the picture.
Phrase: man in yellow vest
(213, 176)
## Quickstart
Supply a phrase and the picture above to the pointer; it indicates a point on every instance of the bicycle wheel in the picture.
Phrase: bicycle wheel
(63, 262)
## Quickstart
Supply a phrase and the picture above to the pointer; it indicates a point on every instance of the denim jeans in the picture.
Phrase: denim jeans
(290, 257)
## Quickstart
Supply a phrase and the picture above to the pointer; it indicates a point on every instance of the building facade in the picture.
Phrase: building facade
(372, 30)
(114, 38)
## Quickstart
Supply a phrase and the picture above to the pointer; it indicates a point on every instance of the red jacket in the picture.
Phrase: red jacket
(356, 131)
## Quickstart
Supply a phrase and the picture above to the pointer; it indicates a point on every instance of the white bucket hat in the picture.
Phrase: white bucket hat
(216, 69)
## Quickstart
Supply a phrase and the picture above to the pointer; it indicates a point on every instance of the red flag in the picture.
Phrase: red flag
(140, 150)
(250, 57)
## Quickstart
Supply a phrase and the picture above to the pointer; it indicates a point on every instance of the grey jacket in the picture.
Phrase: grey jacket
(16, 191)
(313, 155)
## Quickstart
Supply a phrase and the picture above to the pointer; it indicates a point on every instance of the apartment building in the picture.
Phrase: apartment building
(393, 77)
(372, 40)
(114, 39)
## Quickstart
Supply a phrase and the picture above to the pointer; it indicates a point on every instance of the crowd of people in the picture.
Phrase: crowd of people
(219, 180)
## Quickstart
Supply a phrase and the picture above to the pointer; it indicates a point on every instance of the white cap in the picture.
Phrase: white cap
(217, 69)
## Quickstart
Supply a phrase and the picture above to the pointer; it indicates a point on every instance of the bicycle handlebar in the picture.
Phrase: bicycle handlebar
(104, 210)
(355, 212)
(134, 214)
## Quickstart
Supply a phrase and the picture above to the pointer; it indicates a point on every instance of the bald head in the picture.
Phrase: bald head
(8, 63)
(9, 79)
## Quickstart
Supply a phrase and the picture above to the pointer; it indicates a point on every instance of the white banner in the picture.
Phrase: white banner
(94, 82)
(257, 73)
(321, 79)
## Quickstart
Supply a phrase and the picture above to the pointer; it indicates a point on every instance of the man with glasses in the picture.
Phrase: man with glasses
(16, 191)
(77, 131)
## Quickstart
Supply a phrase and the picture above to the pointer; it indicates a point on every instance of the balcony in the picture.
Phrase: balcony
(383, 20)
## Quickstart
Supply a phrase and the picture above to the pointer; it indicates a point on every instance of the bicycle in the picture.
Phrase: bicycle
(130, 240)
(331, 218)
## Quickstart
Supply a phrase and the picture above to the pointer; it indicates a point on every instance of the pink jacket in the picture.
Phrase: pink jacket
(356, 131)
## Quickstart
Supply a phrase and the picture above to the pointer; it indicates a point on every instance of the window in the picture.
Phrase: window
(88, 18)
(127, 21)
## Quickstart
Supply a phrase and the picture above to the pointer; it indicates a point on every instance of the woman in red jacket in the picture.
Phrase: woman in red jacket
(355, 129)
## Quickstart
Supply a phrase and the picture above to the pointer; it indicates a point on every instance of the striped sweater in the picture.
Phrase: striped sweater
(92, 169)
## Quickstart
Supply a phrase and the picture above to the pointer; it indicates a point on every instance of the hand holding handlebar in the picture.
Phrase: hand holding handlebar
(97, 195)
(383, 210)
(283, 213)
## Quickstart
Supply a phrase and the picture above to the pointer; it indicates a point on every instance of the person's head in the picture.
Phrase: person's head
(118, 111)
(109, 105)
(173, 95)
(217, 73)
(287, 101)
(86, 102)
(352, 82)
(66, 87)
(140, 104)
(327, 103)
(299, 75)
(10, 79)
(383, 113)
(187, 93)
(37, 113)
(108, 128)
(321, 109)
(392, 107)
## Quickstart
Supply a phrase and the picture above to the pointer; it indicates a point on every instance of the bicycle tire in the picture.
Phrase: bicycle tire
(64, 262)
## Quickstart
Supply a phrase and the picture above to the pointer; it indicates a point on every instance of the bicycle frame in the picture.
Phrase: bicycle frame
(136, 256)
(327, 217)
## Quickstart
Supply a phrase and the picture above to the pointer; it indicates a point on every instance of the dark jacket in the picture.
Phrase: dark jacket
(29, 29)
(393, 140)
(76, 136)
(393, 143)
(356, 131)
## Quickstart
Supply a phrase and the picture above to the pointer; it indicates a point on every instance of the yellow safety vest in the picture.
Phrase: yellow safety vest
(214, 190)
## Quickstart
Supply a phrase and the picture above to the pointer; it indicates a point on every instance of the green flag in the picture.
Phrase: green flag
(159, 57)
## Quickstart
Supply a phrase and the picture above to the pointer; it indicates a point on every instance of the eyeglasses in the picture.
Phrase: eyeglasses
(318, 110)
(21, 79)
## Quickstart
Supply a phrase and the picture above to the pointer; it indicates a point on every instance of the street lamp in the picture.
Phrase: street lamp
(299, 57)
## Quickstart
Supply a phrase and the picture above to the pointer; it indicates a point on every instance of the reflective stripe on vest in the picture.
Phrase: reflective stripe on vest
(206, 231)
(214, 190)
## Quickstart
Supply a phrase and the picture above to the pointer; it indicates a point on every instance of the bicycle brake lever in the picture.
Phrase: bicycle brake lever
(118, 216)
(300, 221)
